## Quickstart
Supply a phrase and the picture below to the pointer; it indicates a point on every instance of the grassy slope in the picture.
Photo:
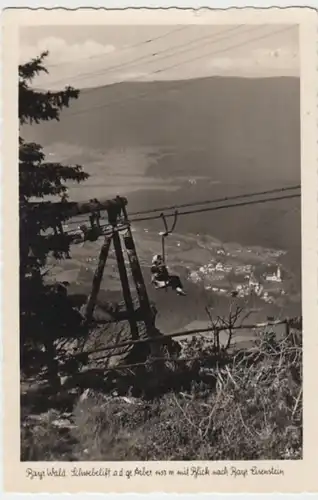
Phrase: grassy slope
(251, 408)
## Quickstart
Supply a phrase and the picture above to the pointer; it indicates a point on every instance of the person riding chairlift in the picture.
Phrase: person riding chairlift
(161, 277)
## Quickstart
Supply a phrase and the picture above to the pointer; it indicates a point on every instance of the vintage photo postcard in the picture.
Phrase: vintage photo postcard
(160, 250)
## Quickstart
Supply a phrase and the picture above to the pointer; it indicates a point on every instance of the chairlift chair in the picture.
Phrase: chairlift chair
(164, 234)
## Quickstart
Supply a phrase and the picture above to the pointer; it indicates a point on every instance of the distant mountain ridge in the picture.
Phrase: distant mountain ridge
(242, 133)
(232, 123)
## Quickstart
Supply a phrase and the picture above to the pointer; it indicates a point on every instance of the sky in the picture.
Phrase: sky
(92, 56)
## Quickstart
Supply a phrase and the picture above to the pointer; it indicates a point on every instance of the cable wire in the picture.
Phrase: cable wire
(216, 200)
(202, 210)
(206, 202)
(125, 48)
(135, 61)
(211, 209)
(78, 219)
(173, 87)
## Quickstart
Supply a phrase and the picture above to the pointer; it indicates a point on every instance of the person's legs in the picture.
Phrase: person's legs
(175, 283)
(158, 284)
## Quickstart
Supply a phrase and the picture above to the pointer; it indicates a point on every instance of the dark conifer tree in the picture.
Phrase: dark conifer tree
(45, 312)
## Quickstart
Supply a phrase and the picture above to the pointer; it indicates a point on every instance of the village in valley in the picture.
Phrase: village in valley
(243, 282)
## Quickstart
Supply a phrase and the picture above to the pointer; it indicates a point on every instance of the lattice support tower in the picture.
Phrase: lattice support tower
(119, 223)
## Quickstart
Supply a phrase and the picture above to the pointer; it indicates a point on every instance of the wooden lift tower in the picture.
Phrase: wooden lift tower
(118, 223)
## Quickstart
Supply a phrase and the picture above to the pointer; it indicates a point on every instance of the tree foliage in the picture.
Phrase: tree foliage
(45, 313)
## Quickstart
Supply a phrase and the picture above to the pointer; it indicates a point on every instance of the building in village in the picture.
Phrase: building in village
(275, 277)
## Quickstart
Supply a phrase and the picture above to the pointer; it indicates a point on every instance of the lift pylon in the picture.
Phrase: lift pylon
(118, 223)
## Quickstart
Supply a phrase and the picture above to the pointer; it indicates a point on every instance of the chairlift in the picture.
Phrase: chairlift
(164, 234)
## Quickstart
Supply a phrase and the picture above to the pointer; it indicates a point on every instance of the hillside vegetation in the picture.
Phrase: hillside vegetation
(230, 406)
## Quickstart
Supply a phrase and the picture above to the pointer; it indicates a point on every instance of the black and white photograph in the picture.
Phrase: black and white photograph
(160, 243)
